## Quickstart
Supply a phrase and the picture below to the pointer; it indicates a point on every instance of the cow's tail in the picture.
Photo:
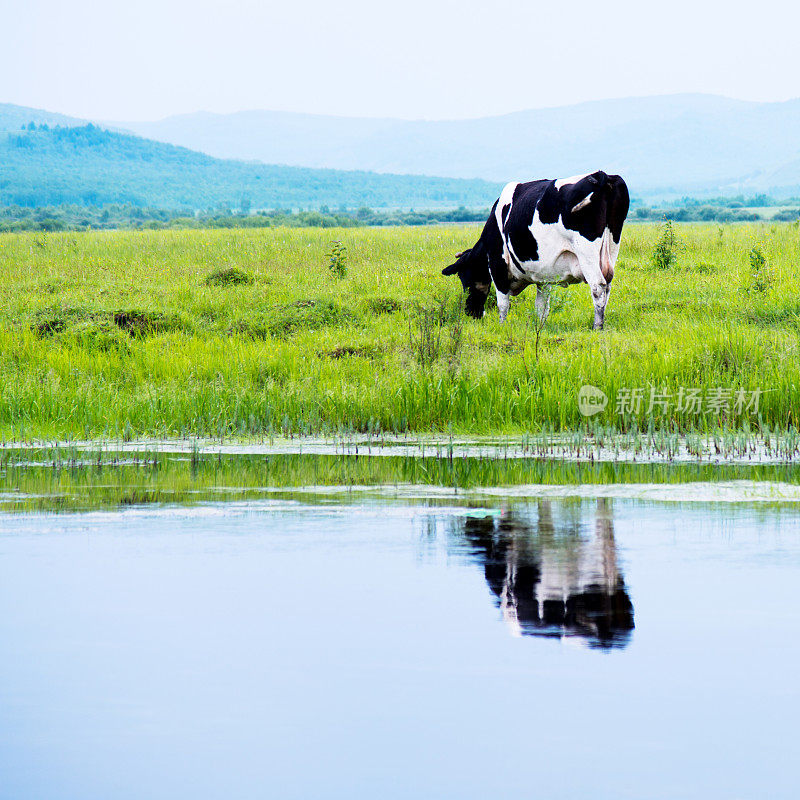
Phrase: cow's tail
(606, 266)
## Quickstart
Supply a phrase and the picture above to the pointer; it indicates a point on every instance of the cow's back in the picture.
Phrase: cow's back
(516, 217)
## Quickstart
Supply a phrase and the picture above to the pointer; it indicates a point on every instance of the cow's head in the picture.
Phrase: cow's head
(472, 268)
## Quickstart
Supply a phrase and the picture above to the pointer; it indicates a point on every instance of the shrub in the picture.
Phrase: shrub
(338, 260)
(232, 276)
(561, 299)
(359, 351)
(665, 254)
(102, 335)
(761, 276)
(49, 326)
(303, 315)
(49, 322)
(437, 330)
(147, 323)
(383, 305)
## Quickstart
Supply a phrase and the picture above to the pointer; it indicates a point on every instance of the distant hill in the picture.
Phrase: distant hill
(664, 146)
(91, 166)
(12, 117)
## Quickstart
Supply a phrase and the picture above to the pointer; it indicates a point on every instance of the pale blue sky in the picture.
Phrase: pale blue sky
(421, 58)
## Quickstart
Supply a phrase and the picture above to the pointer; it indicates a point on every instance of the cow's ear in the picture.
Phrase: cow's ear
(451, 270)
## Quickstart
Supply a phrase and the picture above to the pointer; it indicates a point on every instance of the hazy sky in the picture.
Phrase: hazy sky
(419, 58)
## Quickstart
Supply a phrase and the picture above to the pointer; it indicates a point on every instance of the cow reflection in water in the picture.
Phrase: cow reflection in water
(553, 577)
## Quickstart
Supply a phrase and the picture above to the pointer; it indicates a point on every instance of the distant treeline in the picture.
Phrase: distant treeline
(722, 209)
(110, 217)
(126, 216)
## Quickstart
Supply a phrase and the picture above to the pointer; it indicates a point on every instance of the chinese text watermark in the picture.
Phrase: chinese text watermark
(716, 400)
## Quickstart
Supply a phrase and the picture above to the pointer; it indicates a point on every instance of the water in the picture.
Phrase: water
(356, 645)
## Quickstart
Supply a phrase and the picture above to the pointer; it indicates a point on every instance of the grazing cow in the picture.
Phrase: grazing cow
(547, 232)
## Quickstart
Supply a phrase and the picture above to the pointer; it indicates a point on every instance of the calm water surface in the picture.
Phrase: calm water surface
(280, 649)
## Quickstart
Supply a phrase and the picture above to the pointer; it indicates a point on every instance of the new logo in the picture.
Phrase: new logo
(591, 400)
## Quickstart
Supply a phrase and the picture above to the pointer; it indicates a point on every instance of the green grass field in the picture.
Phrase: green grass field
(119, 334)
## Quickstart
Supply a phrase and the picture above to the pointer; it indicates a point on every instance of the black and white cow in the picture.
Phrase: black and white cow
(547, 232)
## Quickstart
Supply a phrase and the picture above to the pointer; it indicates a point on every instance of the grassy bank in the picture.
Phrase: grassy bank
(123, 334)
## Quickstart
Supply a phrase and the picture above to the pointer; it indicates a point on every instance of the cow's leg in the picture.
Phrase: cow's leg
(543, 303)
(503, 303)
(600, 292)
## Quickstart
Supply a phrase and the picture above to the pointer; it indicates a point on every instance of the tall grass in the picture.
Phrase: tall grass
(120, 334)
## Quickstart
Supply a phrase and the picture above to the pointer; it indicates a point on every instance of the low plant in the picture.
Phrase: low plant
(454, 339)
(761, 276)
(100, 335)
(337, 259)
(536, 322)
(140, 323)
(383, 305)
(665, 253)
(306, 315)
(425, 335)
(231, 276)
(436, 330)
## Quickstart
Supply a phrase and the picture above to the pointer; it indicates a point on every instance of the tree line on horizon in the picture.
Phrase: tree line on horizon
(129, 217)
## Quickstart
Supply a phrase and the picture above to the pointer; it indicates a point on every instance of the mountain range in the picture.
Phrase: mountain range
(58, 160)
(666, 147)
(672, 145)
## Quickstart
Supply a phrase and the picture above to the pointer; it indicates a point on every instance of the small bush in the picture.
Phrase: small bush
(537, 322)
(49, 326)
(383, 305)
(99, 335)
(232, 276)
(282, 322)
(337, 263)
(425, 335)
(437, 330)
(771, 315)
(561, 299)
(146, 323)
(291, 319)
(665, 254)
(362, 351)
(52, 321)
(761, 276)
